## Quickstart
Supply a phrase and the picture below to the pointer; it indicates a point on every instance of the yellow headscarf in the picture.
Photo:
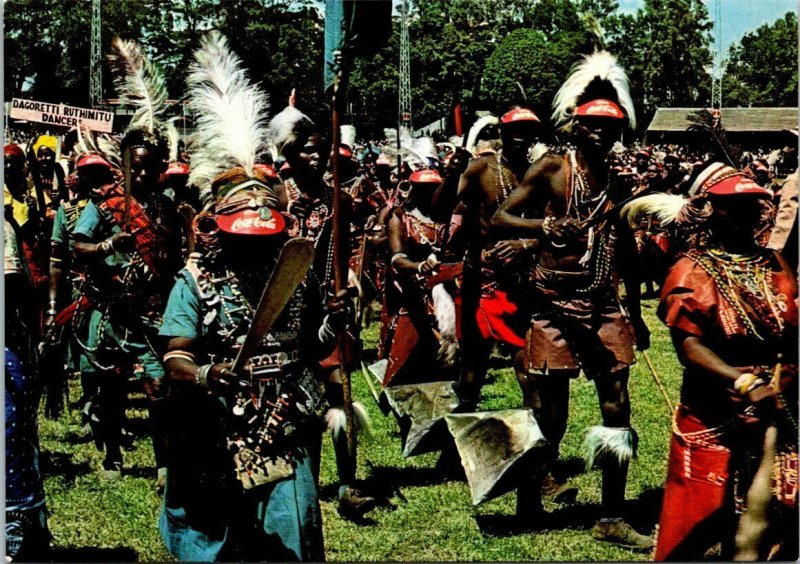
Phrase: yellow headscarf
(49, 141)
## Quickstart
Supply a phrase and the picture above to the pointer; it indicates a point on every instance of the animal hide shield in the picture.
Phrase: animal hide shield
(421, 409)
(497, 448)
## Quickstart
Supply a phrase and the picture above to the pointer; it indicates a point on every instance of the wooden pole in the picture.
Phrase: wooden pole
(340, 278)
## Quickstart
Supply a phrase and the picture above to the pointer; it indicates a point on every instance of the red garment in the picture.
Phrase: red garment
(695, 488)
(492, 316)
(407, 336)
(148, 242)
(698, 477)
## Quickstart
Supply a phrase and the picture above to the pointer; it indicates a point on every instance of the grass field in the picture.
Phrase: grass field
(427, 519)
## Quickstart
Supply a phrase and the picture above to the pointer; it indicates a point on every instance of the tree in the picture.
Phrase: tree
(762, 67)
(527, 60)
(665, 48)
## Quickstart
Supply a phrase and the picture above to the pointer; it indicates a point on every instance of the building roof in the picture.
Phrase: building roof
(733, 119)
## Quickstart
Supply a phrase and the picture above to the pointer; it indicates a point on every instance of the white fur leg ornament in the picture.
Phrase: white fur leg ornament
(610, 445)
(445, 310)
(337, 422)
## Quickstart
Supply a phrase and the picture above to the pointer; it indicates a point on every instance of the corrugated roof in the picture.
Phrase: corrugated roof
(733, 119)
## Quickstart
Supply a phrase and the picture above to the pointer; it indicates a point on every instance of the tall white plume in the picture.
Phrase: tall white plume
(602, 65)
(230, 112)
(139, 84)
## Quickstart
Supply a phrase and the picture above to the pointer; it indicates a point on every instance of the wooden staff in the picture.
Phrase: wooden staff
(340, 277)
(656, 377)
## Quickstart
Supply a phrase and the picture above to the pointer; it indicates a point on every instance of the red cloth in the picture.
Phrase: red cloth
(492, 317)
(147, 240)
(695, 488)
(403, 342)
(690, 300)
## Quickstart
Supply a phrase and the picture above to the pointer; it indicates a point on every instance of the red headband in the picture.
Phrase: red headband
(426, 176)
(519, 114)
(600, 108)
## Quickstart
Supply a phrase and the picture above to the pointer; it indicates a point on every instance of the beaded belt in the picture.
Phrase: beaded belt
(272, 362)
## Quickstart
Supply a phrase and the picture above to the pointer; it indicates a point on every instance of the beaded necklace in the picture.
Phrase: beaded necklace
(421, 223)
(210, 286)
(601, 243)
(504, 183)
(745, 282)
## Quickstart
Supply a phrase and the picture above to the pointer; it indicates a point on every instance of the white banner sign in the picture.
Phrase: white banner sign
(59, 114)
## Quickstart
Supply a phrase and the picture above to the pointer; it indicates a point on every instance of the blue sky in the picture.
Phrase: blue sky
(738, 16)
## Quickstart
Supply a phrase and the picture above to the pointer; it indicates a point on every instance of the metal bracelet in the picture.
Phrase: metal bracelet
(106, 246)
(201, 376)
(397, 256)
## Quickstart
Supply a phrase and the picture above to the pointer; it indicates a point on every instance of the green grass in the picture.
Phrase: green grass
(427, 520)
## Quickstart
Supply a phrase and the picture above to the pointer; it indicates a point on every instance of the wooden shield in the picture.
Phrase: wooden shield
(497, 448)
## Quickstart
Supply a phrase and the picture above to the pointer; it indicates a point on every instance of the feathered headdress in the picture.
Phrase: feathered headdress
(476, 129)
(597, 76)
(286, 127)
(710, 127)
(140, 85)
(102, 144)
(230, 114)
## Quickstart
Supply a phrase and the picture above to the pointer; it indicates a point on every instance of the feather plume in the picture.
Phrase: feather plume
(444, 309)
(82, 146)
(109, 147)
(348, 135)
(424, 147)
(230, 113)
(596, 76)
(610, 445)
(479, 125)
(102, 144)
(139, 84)
(664, 207)
(595, 30)
(173, 139)
(704, 121)
(336, 421)
(283, 128)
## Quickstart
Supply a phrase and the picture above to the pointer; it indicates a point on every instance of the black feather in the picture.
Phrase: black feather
(716, 140)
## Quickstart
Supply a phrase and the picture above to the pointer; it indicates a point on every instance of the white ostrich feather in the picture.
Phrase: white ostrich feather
(173, 139)
(336, 421)
(424, 147)
(602, 65)
(102, 144)
(282, 129)
(348, 135)
(664, 207)
(139, 84)
(536, 152)
(230, 112)
(477, 127)
(109, 147)
(444, 309)
(610, 445)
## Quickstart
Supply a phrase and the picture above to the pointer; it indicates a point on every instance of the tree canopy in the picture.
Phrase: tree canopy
(468, 51)
(762, 68)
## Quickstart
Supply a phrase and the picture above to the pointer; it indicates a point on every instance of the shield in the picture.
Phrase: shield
(421, 409)
(497, 448)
